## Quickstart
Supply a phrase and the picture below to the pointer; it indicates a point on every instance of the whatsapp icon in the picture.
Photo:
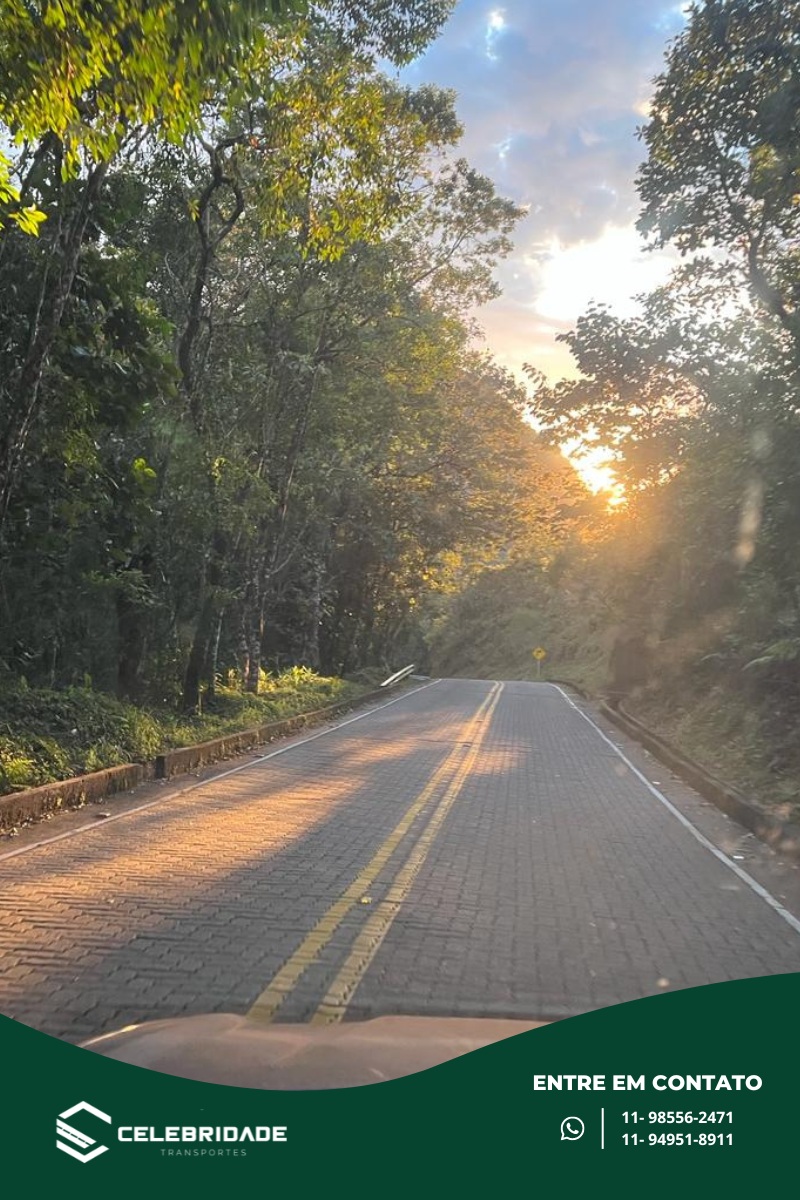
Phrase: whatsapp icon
(571, 1129)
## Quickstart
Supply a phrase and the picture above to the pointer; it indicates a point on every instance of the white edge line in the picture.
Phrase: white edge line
(602, 1129)
(248, 766)
(753, 884)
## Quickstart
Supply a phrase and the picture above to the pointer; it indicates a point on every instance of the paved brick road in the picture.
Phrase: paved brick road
(550, 882)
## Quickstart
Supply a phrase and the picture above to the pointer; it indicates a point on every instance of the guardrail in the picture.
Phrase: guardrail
(406, 671)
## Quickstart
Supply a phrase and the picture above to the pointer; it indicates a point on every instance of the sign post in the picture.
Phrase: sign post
(540, 654)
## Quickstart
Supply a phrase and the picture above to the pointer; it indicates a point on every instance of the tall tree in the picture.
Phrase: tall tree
(723, 141)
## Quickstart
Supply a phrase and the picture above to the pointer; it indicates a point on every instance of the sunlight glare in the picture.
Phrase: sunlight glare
(611, 269)
(596, 469)
(494, 26)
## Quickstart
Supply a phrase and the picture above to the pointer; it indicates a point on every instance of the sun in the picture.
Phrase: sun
(597, 472)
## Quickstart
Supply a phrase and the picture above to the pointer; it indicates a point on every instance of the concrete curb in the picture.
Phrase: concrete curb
(35, 803)
(782, 836)
(189, 758)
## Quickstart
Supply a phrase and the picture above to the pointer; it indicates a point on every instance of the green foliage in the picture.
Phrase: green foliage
(490, 628)
(723, 167)
(48, 735)
(399, 30)
(245, 437)
(87, 74)
(687, 597)
(248, 435)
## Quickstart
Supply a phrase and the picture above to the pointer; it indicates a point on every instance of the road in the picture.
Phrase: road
(470, 848)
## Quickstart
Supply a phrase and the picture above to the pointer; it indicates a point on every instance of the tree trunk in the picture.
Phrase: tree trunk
(198, 655)
(244, 651)
(310, 655)
(212, 666)
(209, 613)
(45, 328)
(130, 651)
(253, 655)
(210, 241)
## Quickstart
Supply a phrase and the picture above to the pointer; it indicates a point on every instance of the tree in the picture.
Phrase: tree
(260, 435)
(80, 81)
(723, 146)
(639, 393)
(83, 81)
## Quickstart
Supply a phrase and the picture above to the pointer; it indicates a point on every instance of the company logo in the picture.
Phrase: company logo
(81, 1142)
(79, 1145)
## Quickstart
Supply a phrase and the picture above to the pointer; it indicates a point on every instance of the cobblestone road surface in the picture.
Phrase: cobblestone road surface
(470, 849)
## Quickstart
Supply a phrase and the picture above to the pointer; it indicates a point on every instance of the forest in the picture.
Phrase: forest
(685, 597)
(252, 452)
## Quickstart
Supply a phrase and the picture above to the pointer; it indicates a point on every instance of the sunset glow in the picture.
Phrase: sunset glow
(551, 96)
(597, 472)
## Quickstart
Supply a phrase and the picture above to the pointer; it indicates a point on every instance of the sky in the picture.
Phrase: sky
(551, 93)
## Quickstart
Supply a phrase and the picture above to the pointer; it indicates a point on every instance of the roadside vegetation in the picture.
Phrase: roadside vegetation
(245, 427)
(685, 597)
(47, 735)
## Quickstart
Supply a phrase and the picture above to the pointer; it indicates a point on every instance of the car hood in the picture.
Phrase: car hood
(233, 1050)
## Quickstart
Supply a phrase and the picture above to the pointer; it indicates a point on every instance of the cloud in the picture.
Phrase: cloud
(551, 93)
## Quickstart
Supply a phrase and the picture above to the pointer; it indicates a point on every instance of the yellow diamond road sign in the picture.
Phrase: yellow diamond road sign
(539, 654)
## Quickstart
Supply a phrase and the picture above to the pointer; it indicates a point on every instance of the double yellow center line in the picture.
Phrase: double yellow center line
(458, 764)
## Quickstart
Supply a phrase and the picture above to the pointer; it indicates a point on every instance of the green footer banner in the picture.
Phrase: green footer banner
(692, 1092)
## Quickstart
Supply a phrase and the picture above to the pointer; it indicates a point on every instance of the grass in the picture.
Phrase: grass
(48, 735)
(740, 741)
(499, 645)
(741, 728)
